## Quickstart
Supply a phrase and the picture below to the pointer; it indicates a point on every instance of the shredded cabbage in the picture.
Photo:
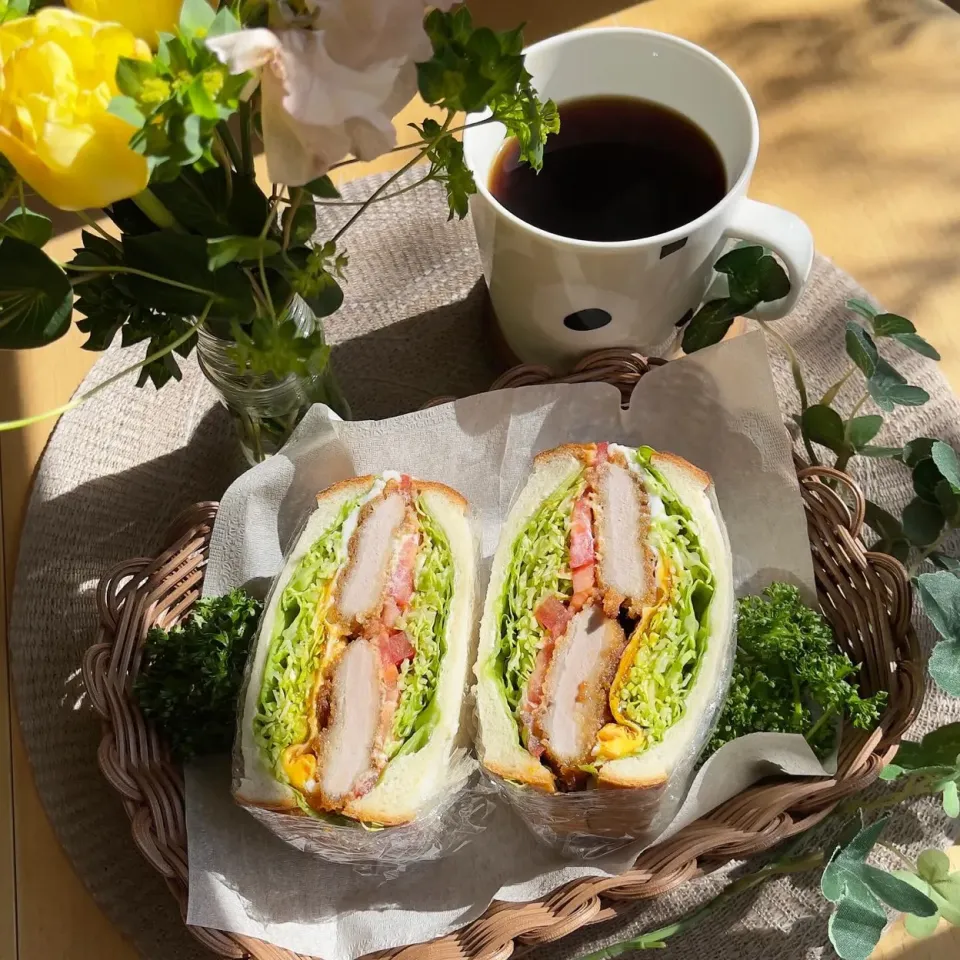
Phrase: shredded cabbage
(425, 623)
(539, 566)
(668, 657)
(296, 647)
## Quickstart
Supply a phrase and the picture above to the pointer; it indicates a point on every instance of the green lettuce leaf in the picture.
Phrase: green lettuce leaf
(425, 623)
(296, 647)
(539, 566)
(667, 661)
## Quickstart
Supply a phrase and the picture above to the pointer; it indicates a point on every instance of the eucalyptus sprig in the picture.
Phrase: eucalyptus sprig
(835, 424)
(753, 277)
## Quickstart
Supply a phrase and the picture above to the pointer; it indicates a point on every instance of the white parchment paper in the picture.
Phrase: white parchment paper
(717, 408)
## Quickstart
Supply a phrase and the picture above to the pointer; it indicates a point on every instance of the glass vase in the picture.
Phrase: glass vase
(265, 408)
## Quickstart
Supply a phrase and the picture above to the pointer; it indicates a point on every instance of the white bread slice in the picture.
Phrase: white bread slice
(498, 738)
(652, 769)
(410, 781)
(499, 745)
(407, 782)
(257, 785)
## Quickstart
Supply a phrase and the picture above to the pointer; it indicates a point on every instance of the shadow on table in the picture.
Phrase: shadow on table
(448, 351)
(843, 50)
(72, 540)
(124, 515)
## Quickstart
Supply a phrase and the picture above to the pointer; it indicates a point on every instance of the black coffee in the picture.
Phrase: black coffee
(620, 168)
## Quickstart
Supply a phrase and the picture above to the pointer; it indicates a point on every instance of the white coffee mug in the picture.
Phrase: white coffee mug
(557, 298)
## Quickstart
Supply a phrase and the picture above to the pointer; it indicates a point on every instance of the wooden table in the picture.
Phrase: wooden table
(859, 104)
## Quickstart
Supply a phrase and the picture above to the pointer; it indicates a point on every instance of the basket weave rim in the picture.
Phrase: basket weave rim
(867, 597)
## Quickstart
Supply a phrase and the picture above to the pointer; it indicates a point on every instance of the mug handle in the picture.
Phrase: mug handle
(789, 238)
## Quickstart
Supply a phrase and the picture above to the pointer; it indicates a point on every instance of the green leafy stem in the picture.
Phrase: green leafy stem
(204, 238)
(927, 890)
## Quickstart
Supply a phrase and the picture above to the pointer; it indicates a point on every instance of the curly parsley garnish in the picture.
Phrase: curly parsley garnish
(190, 676)
(789, 675)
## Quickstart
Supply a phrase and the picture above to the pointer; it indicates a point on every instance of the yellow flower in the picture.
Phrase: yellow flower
(145, 18)
(56, 80)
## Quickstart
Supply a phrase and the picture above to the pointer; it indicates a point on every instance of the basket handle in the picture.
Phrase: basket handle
(844, 492)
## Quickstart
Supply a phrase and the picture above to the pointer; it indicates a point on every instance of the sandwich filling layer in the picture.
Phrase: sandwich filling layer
(356, 649)
(603, 616)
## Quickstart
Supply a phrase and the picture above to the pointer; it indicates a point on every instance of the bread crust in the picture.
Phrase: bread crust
(359, 485)
(612, 780)
(700, 477)
(431, 486)
(584, 452)
(284, 806)
(544, 780)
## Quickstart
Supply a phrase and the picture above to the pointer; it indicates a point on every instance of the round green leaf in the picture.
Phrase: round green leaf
(322, 187)
(861, 430)
(939, 749)
(925, 477)
(196, 17)
(933, 865)
(951, 799)
(884, 379)
(940, 597)
(883, 453)
(861, 349)
(823, 425)
(945, 457)
(832, 882)
(917, 450)
(883, 523)
(916, 343)
(906, 395)
(920, 927)
(948, 890)
(33, 227)
(948, 500)
(922, 522)
(887, 324)
(855, 929)
(866, 310)
(944, 665)
(36, 299)
(328, 300)
(709, 325)
(895, 893)
(772, 280)
(741, 260)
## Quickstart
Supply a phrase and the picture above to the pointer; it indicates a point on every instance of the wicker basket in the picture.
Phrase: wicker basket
(866, 596)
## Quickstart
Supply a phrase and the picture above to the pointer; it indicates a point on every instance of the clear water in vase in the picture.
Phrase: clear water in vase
(266, 409)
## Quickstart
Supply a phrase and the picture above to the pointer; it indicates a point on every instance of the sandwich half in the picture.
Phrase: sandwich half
(607, 630)
(353, 701)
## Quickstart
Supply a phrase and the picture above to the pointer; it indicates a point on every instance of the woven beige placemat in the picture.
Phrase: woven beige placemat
(119, 468)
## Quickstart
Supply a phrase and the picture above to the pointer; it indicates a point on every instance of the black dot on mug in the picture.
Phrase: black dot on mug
(593, 318)
(669, 248)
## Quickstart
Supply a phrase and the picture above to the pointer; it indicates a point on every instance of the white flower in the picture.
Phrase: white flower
(331, 89)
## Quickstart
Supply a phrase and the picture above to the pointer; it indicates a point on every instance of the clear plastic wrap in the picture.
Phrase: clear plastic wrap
(460, 811)
(454, 812)
(588, 824)
(593, 822)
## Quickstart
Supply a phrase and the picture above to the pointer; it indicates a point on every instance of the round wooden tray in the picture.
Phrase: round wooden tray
(866, 596)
